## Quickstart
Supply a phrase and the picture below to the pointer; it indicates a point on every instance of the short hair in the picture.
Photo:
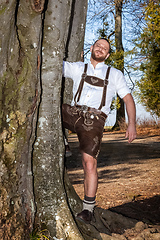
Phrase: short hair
(105, 40)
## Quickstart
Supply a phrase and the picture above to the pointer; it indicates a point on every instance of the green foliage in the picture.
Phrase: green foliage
(38, 235)
(116, 60)
(149, 44)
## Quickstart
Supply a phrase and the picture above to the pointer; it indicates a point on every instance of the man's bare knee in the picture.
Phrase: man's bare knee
(89, 163)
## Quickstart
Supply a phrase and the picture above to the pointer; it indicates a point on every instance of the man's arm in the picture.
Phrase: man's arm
(131, 112)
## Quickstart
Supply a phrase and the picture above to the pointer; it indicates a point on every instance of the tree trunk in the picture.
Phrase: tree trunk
(21, 28)
(120, 116)
(53, 212)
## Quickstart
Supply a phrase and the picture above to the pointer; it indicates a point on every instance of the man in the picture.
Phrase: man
(94, 86)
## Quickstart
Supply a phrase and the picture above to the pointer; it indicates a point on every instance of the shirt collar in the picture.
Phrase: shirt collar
(99, 65)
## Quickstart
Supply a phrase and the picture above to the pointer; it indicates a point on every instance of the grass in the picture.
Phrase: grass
(148, 127)
(38, 235)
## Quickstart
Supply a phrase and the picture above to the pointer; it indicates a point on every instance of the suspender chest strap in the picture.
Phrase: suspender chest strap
(104, 89)
(81, 84)
(93, 81)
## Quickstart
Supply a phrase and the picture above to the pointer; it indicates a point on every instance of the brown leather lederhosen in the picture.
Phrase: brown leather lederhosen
(87, 122)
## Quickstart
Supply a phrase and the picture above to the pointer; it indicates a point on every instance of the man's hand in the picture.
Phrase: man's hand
(131, 133)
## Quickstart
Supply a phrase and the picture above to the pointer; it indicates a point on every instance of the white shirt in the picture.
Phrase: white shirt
(92, 95)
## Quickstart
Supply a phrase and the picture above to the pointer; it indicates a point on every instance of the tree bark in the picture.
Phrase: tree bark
(21, 29)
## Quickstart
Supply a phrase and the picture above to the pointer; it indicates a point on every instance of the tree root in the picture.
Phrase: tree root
(108, 225)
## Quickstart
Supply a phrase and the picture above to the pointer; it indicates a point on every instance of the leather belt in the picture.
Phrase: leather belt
(85, 108)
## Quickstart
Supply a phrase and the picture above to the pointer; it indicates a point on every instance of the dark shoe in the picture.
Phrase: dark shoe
(85, 216)
(68, 152)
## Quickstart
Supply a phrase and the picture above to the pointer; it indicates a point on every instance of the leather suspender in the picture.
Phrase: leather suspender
(104, 89)
(81, 84)
(105, 83)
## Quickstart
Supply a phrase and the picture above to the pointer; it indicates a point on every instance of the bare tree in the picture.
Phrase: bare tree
(119, 56)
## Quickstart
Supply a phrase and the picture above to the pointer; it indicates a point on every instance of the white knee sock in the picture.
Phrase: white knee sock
(89, 203)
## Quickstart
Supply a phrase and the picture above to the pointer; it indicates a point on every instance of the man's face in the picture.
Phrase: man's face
(100, 50)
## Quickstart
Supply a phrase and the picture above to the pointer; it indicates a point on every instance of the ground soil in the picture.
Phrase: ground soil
(129, 175)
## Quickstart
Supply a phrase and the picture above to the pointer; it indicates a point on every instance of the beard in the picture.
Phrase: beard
(98, 59)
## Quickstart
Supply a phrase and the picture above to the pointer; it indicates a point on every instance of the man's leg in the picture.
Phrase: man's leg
(90, 175)
(90, 186)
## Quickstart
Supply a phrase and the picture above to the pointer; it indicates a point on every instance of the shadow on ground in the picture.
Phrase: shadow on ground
(120, 162)
(146, 210)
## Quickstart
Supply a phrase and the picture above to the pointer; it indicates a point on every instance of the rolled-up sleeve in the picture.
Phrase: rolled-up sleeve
(70, 68)
(121, 86)
(67, 69)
